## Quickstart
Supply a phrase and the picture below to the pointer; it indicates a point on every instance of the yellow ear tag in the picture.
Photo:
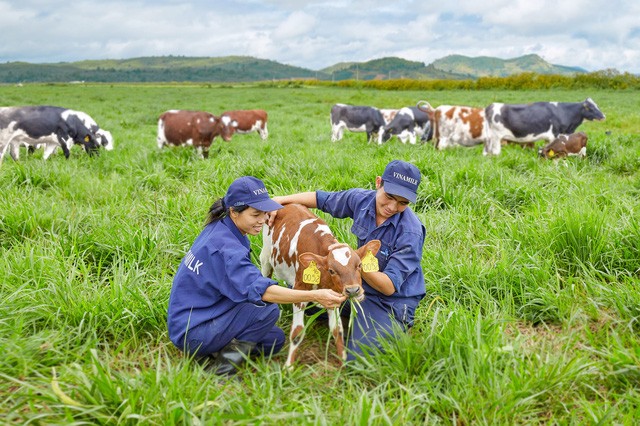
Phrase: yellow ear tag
(86, 138)
(551, 153)
(311, 274)
(370, 263)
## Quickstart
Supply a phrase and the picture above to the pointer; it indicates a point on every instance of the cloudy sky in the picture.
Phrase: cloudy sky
(592, 34)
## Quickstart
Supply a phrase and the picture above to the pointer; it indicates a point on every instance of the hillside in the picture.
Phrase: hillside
(484, 66)
(247, 69)
(156, 69)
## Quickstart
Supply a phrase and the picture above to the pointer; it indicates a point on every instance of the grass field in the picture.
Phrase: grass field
(532, 269)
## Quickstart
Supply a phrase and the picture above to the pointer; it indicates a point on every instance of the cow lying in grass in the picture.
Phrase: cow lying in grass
(301, 250)
(574, 144)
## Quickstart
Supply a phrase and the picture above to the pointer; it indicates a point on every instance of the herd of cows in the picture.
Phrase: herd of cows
(498, 123)
(50, 127)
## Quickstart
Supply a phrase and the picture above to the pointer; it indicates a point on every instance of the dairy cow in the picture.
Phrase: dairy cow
(246, 121)
(356, 119)
(300, 249)
(103, 137)
(532, 122)
(191, 128)
(455, 125)
(48, 126)
(407, 124)
(574, 144)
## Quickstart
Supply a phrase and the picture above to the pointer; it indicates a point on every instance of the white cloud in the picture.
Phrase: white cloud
(593, 34)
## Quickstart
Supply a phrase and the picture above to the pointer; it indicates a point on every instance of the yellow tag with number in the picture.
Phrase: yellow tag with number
(370, 263)
(551, 153)
(311, 274)
(87, 139)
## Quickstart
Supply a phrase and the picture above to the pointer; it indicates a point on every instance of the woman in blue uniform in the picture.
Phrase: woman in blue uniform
(220, 304)
(394, 287)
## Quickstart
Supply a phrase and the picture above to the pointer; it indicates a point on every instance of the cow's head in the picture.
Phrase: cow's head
(340, 268)
(105, 139)
(590, 110)
(227, 127)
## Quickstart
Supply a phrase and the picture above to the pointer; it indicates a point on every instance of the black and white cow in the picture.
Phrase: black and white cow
(408, 123)
(532, 122)
(356, 119)
(49, 126)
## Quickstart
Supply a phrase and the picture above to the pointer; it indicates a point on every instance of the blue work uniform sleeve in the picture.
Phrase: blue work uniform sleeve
(405, 258)
(242, 281)
(338, 204)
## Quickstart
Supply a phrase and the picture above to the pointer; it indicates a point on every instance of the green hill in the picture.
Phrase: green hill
(156, 69)
(247, 69)
(484, 66)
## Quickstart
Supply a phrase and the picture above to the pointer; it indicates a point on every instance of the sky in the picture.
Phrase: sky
(591, 34)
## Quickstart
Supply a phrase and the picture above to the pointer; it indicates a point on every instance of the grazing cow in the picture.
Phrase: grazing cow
(532, 122)
(191, 128)
(455, 125)
(50, 126)
(103, 137)
(246, 121)
(301, 250)
(574, 144)
(408, 122)
(356, 119)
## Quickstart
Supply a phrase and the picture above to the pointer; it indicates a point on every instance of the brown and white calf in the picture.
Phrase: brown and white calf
(574, 144)
(246, 121)
(299, 247)
(191, 128)
(456, 125)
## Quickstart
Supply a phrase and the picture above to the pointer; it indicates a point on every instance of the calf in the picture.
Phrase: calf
(456, 125)
(50, 126)
(356, 119)
(191, 128)
(246, 121)
(301, 250)
(408, 123)
(574, 144)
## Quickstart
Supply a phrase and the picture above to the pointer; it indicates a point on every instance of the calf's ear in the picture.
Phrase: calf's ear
(373, 246)
(307, 258)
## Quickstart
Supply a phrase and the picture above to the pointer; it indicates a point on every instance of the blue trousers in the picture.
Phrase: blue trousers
(381, 319)
(246, 322)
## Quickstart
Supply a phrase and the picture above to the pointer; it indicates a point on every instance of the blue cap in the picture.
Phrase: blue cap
(250, 191)
(402, 179)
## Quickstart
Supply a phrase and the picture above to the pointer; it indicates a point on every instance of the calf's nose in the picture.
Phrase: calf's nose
(352, 291)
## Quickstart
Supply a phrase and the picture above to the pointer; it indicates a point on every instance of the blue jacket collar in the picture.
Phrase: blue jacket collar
(236, 232)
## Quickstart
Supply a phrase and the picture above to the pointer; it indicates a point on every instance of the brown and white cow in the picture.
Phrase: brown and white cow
(456, 125)
(574, 144)
(191, 128)
(300, 249)
(246, 121)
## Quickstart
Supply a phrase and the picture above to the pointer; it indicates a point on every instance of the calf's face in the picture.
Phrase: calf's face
(340, 268)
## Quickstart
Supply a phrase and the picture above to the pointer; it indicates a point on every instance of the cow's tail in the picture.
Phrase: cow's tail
(424, 106)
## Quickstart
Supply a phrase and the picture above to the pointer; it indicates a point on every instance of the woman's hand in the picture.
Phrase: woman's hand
(328, 298)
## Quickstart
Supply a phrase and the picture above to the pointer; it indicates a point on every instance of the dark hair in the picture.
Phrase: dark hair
(218, 211)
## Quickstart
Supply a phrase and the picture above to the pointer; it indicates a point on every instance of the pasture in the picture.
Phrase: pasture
(532, 269)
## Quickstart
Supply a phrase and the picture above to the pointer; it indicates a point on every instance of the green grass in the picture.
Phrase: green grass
(532, 269)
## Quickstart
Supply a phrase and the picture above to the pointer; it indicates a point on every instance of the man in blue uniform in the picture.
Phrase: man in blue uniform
(396, 285)
(220, 305)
